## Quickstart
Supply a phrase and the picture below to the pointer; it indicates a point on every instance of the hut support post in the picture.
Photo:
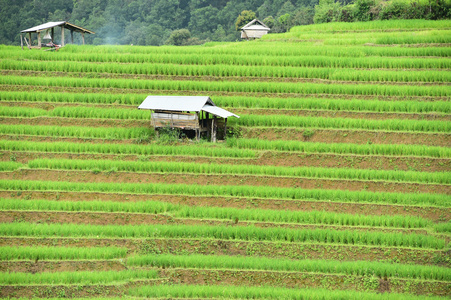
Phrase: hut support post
(53, 34)
(62, 36)
(225, 128)
(71, 36)
(29, 39)
(39, 39)
(213, 129)
(83, 37)
(21, 41)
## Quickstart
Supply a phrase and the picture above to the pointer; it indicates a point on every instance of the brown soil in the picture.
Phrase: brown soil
(349, 136)
(61, 266)
(435, 214)
(103, 218)
(28, 88)
(247, 248)
(267, 158)
(209, 78)
(236, 180)
(302, 280)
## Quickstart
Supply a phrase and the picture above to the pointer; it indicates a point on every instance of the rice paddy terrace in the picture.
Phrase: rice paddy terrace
(334, 183)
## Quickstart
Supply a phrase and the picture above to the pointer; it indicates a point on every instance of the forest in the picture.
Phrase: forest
(151, 22)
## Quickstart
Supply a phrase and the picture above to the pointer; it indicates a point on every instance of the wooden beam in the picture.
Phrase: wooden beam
(53, 34)
(72, 36)
(21, 41)
(62, 35)
(29, 39)
(39, 39)
(225, 128)
(83, 37)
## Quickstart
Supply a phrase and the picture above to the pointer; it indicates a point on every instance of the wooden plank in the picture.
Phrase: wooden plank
(62, 36)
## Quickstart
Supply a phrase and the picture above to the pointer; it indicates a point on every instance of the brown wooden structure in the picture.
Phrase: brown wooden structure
(197, 113)
(49, 28)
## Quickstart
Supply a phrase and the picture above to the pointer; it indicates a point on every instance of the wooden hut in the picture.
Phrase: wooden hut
(255, 29)
(49, 30)
(193, 113)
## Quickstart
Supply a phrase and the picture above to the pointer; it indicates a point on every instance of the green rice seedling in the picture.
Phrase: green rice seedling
(74, 131)
(340, 123)
(340, 148)
(151, 149)
(439, 200)
(13, 111)
(224, 232)
(85, 277)
(10, 166)
(356, 268)
(60, 253)
(374, 105)
(262, 292)
(443, 227)
(183, 167)
(184, 211)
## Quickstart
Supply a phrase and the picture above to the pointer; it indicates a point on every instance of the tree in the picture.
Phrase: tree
(245, 17)
(179, 37)
(269, 21)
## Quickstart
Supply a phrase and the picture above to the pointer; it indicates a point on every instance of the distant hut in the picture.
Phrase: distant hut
(255, 29)
(49, 33)
(189, 113)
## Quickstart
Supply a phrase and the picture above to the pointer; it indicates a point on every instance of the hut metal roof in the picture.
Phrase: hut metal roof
(184, 103)
(255, 24)
(49, 25)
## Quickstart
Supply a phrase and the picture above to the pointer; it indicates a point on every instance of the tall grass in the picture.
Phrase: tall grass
(356, 268)
(439, 200)
(60, 253)
(222, 213)
(200, 168)
(247, 233)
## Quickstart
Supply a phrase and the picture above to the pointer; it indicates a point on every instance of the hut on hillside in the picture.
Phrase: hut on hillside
(255, 29)
(197, 114)
(49, 33)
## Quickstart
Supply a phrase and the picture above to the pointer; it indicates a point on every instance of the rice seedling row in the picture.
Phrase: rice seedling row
(439, 200)
(196, 168)
(245, 120)
(232, 86)
(233, 71)
(189, 212)
(374, 105)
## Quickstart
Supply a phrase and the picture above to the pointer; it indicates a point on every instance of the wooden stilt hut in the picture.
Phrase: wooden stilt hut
(196, 113)
(49, 30)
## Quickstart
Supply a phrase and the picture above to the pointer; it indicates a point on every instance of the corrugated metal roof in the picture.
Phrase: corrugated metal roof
(175, 103)
(256, 27)
(184, 103)
(49, 25)
(256, 22)
(217, 111)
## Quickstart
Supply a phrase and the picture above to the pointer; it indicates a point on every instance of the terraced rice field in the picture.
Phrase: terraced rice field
(333, 184)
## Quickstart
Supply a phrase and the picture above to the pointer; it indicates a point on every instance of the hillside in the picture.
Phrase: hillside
(333, 184)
